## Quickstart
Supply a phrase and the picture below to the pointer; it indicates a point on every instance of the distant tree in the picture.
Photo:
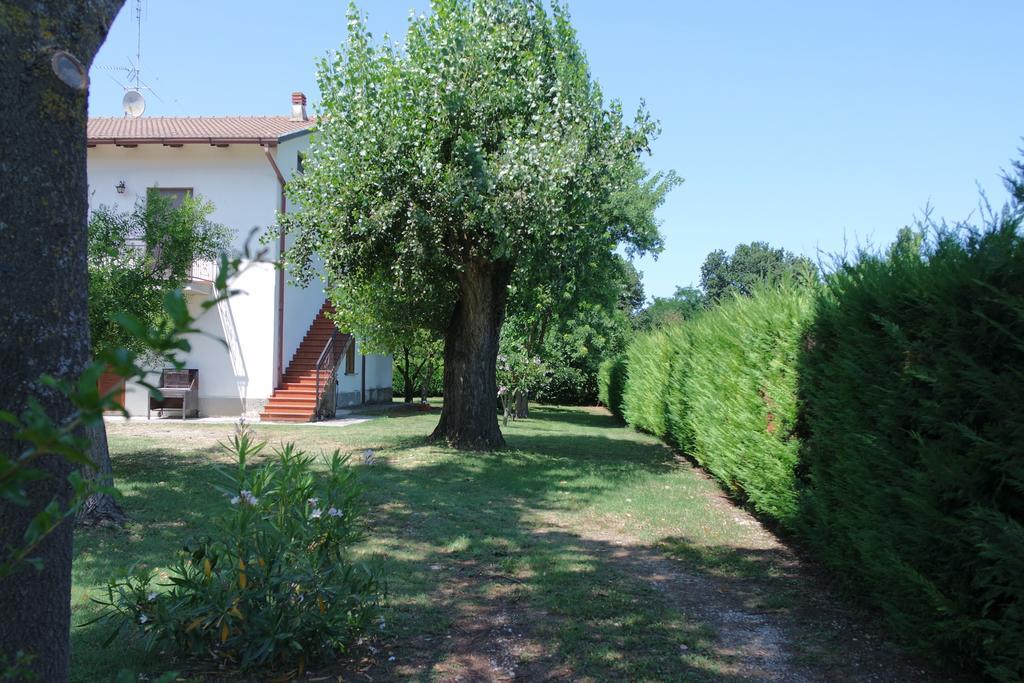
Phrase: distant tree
(48, 46)
(135, 259)
(568, 296)
(478, 155)
(751, 265)
(573, 352)
(685, 304)
(380, 315)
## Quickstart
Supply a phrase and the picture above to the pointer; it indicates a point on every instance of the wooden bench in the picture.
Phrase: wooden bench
(181, 392)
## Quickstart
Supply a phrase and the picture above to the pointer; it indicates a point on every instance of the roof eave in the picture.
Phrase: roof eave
(184, 141)
(296, 133)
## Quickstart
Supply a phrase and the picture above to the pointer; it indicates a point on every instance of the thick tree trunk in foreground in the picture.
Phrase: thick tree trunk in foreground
(44, 285)
(469, 415)
(101, 509)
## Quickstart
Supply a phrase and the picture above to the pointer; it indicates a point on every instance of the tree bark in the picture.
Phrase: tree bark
(425, 384)
(44, 280)
(409, 389)
(522, 405)
(469, 415)
(101, 509)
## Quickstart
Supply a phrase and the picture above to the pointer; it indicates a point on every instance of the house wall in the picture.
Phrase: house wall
(378, 380)
(301, 304)
(236, 378)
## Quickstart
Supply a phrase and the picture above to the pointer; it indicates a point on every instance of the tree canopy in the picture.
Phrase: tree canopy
(686, 303)
(749, 266)
(479, 154)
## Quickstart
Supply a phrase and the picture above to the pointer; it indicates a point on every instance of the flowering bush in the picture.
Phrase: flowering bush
(517, 372)
(273, 585)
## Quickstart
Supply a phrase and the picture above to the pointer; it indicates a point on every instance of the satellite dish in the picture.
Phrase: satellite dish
(133, 104)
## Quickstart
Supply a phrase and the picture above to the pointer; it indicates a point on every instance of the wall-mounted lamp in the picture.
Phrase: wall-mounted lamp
(120, 187)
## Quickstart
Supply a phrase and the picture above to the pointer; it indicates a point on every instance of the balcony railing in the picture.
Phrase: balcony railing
(203, 271)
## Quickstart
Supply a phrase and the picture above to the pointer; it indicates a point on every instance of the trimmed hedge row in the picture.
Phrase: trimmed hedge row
(611, 379)
(643, 405)
(733, 398)
(881, 419)
(913, 387)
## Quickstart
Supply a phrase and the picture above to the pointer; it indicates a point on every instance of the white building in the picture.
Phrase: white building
(241, 164)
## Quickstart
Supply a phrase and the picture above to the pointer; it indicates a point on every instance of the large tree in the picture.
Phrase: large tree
(479, 153)
(47, 48)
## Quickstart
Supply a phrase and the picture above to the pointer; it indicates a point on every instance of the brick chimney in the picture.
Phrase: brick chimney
(298, 107)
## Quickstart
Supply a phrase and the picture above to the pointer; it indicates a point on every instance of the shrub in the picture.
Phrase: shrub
(611, 378)
(273, 584)
(913, 388)
(569, 385)
(643, 397)
(734, 388)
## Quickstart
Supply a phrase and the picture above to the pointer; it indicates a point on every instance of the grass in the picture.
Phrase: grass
(554, 530)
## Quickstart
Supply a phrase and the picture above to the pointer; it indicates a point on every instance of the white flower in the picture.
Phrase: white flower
(313, 501)
(335, 512)
(143, 618)
(315, 514)
(234, 500)
(151, 597)
(246, 497)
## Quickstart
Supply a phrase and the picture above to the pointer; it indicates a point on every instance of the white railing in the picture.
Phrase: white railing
(203, 271)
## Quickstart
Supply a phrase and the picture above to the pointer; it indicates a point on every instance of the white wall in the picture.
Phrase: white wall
(301, 304)
(245, 193)
(378, 377)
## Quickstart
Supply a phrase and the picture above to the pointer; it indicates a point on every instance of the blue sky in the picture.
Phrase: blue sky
(809, 125)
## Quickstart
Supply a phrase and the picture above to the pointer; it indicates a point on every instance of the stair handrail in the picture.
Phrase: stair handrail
(327, 374)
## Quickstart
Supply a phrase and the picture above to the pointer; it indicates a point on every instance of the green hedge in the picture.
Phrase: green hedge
(643, 397)
(733, 396)
(913, 384)
(881, 418)
(611, 378)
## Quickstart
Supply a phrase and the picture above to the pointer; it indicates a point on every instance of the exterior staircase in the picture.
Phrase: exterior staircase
(295, 399)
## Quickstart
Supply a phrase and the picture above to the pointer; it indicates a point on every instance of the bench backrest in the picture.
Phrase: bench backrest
(178, 378)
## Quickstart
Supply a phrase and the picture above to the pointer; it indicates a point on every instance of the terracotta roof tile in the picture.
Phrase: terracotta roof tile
(192, 129)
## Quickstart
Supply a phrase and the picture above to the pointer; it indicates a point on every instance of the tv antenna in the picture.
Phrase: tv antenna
(133, 104)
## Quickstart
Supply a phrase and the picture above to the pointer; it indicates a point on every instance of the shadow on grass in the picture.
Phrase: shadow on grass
(479, 589)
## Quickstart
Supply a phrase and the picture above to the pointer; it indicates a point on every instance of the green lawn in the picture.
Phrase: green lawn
(584, 550)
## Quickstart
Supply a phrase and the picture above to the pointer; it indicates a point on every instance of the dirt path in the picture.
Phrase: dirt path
(780, 623)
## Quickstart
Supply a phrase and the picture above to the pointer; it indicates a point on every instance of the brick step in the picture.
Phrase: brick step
(286, 400)
(286, 417)
(304, 378)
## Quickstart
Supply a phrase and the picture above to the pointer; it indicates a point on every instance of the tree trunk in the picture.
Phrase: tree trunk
(522, 405)
(469, 415)
(101, 509)
(44, 280)
(408, 389)
(425, 384)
